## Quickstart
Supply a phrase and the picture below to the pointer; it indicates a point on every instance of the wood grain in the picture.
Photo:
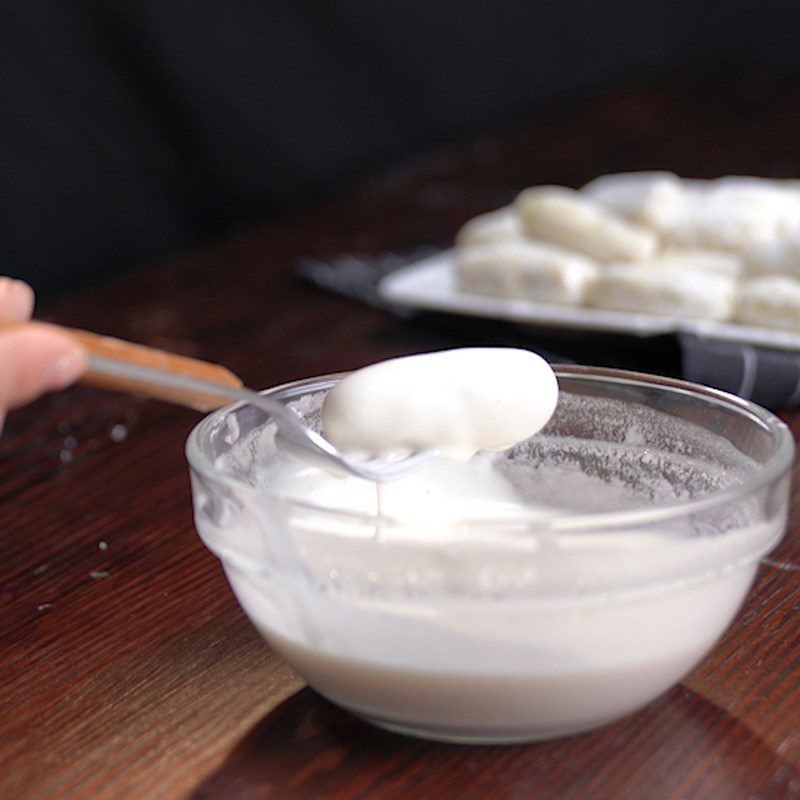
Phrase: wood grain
(127, 669)
(117, 350)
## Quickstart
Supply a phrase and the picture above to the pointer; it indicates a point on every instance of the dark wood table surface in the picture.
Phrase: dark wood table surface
(127, 668)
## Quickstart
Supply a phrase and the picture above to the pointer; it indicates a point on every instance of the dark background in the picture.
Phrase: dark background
(131, 129)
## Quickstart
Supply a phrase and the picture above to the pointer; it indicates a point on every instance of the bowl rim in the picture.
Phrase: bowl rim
(779, 462)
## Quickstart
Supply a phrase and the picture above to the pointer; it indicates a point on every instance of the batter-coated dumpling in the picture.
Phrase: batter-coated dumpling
(717, 262)
(499, 225)
(524, 269)
(731, 213)
(781, 256)
(772, 301)
(455, 402)
(574, 221)
(674, 292)
(627, 193)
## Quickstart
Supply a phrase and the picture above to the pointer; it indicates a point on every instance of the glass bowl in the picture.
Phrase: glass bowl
(642, 512)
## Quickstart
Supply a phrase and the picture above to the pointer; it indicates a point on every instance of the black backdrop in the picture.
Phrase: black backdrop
(129, 128)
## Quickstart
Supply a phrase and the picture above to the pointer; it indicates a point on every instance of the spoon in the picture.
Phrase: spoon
(124, 366)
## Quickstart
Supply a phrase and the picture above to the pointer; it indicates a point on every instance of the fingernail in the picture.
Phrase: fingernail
(18, 303)
(66, 369)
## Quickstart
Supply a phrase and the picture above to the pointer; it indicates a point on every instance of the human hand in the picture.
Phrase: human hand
(34, 358)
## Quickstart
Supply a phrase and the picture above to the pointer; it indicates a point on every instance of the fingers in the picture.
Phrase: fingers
(16, 300)
(35, 359)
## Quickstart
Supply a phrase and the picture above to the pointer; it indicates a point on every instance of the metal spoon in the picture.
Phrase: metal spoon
(124, 366)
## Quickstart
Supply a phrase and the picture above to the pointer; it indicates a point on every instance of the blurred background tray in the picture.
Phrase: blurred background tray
(429, 284)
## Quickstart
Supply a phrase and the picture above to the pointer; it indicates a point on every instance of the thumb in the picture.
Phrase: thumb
(35, 359)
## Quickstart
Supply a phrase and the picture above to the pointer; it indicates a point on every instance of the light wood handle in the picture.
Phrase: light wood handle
(129, 353)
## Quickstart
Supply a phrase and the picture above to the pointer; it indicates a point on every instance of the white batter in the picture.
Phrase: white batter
(471, 631)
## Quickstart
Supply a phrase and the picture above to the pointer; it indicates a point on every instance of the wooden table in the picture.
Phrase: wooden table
(127, 668)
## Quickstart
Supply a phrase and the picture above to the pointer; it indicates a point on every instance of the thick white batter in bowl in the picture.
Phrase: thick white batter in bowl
(524, 595)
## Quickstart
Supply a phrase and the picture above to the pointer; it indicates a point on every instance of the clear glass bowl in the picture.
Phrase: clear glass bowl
(521, 626)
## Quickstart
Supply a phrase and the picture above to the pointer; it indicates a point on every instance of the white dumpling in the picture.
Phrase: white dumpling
(500, 225)
(729, 214)
(673, 292)
(572, 220)
(524, 269)
(781, 256)
(455, 402)
(772, 301)
(718, 262)
(627, 193)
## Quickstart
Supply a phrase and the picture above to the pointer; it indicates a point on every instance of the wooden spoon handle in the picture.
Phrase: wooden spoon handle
(118, 350)
(108, 357)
